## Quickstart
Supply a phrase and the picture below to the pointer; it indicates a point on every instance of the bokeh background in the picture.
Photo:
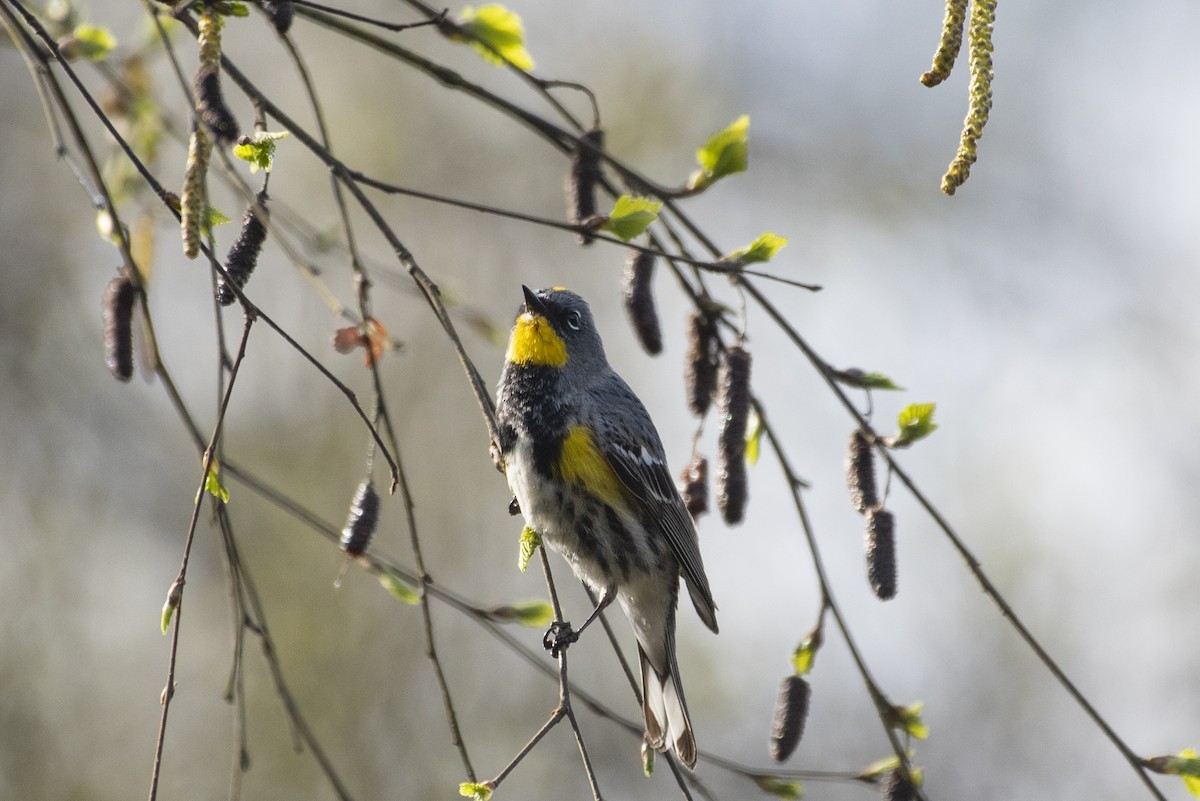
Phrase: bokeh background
(1048, 308)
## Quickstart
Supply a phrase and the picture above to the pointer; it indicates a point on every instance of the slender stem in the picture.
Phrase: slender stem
(181, 578)
(562, 140)
(989, 589)
(556, 716)
(972, 562)
(564, 688)
(378, 23)
(882, 706)
(257, 623)
(363, 284)
(427, 287)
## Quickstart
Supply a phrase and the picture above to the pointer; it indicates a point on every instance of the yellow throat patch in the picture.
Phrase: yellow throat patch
(534, 342)
(582, 463)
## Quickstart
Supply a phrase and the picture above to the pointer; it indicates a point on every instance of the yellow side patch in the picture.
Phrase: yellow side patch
(534, 342)
(582, 463)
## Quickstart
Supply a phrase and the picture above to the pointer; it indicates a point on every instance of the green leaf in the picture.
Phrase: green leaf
(647, 760)
(212, 218)
(916, 422)
(1187, 766)
(94, 43)
(761, 249)
(631, 216)
(879, 767)
(783, 788)
(212, 483)
(227, 8)
(497, 35)
(534, 614)
(723, 154)
(480, 791)
(908, 718)
(259, 151)
(400, 589)
(853, 377)
(754, 432)
(171, 604)
(1187, 763)
(530, 542)
(806, 652)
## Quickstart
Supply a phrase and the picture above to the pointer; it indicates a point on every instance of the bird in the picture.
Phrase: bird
(587, 470)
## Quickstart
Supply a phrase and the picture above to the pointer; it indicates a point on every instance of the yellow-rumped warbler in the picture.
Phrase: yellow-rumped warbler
(587, 468)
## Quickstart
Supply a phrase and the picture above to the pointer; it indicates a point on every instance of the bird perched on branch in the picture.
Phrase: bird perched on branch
(587, 468)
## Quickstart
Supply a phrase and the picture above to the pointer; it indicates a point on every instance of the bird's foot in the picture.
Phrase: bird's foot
(558, 637)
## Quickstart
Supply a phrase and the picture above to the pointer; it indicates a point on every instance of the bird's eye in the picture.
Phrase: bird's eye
(573, 318)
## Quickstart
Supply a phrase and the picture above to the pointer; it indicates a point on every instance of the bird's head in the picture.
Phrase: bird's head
(555, 329)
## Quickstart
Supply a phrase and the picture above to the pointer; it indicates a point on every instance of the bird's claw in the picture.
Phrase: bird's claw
(558, 637)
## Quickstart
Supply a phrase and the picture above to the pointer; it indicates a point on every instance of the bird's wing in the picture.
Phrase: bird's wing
(643, 470)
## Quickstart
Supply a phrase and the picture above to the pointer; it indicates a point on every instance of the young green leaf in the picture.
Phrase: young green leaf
(908, 718)
(631, 216)
(916, 422)
(1188, 767)
(761, 249)
(1185, 765)
(400, 589)
(171, 604)
(479, 791)
(879, 767)
(1190, 771)
(853, 377)
(647, 760)
(497, 35)
(532, 614)
(782, 788)
(213, 485)
(93, 43)
(723, 154)
(258, 150)
(530, 542)
(212, 218)
(754, 432)
(806, 652)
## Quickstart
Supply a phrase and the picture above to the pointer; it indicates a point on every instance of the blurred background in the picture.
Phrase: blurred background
(1048, 309)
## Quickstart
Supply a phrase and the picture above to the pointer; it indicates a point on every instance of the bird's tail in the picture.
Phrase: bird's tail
(667, 721)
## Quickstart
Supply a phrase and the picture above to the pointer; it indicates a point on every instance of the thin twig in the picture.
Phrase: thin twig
(378, 23)
(428, 288)
(176, 595)
(883, 707)
(562, 140)
(973, 564)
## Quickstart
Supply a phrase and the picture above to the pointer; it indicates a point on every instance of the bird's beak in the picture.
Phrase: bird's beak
(533, 304)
